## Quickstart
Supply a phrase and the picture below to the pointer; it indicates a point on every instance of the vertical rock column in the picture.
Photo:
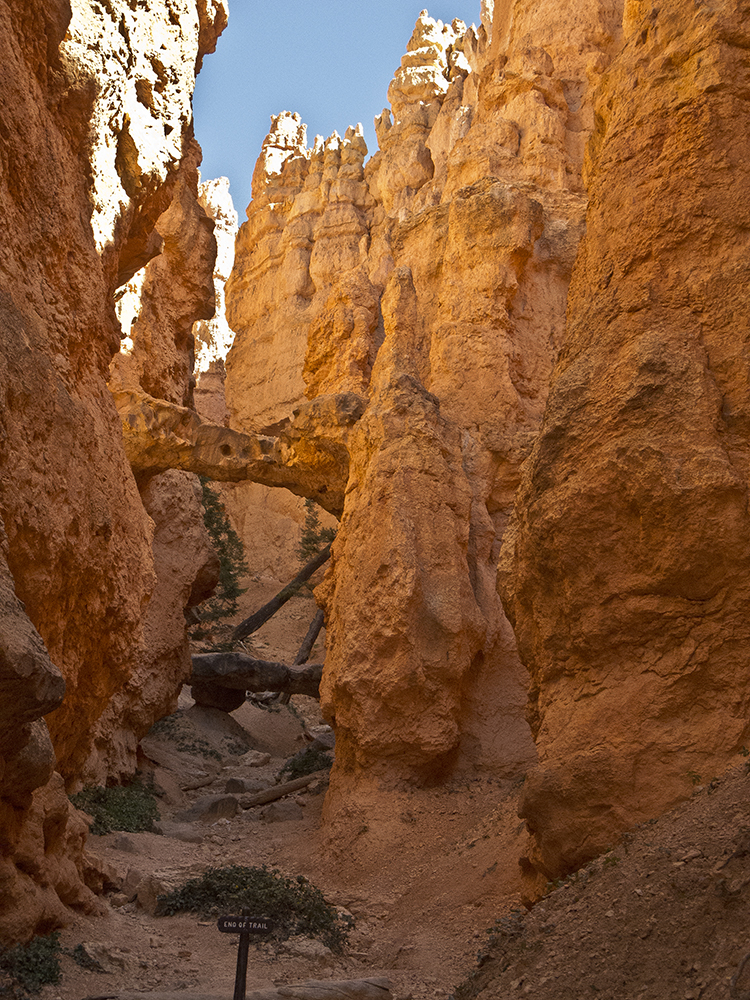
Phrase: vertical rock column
(404, 623)
(158, 310)
(626, 573)
(95, 117)
(455, 245)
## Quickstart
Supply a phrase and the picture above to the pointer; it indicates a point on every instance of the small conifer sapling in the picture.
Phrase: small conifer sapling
(232, 566)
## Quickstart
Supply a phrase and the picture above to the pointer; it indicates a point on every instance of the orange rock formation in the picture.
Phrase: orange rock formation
(95, 111)
(401, 325)
(433, 283)
(626, 567)
(268, 521)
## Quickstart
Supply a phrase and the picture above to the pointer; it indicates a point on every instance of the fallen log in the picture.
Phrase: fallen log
(279, 791)
(244, 673)
(306, 648)
(260, 617)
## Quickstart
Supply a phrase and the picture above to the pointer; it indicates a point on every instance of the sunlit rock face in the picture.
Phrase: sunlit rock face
(157, 310)
(95, 118)
(268, 521)
(158, 307)
(271, 303)
(309, 456)
(305, 224)
(626, 572)
(213, 337)
(432, 281)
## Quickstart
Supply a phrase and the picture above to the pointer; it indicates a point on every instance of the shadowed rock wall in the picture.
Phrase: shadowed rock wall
(626, 573)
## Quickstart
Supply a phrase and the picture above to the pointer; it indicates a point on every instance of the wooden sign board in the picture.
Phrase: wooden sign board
(245, 925)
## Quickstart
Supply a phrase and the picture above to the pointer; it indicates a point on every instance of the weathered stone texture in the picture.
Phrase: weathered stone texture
(43, 865)
(268, 521)
(87, 168)
(304, 228)
(309, 456)
(453, 247)
(158, 307)
(403, 619)
(399, 326)
(187, 569)
(626, 572)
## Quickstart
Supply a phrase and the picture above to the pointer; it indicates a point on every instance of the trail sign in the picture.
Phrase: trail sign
(251, 925)
(244, 925)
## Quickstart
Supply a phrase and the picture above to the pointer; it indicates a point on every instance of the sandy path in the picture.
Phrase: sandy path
(422, 880)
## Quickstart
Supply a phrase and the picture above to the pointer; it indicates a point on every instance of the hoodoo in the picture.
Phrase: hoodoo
(431, 281)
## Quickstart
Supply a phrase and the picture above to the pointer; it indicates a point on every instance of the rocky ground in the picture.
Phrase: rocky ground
(440, 903)
(664, 916)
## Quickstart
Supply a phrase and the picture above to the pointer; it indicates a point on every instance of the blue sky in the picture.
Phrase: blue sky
(330, 60)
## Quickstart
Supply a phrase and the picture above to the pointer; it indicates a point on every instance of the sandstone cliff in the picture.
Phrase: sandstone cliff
(432, 282)
(268, 521)
(96, 150)
(626, 569)
(402, 356)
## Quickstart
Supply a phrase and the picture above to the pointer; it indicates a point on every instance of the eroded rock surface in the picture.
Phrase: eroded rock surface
(213, 337)
(399, 325)
(626, 573)
(309, 456)
(403, 619)
(268, 521)
(95, 110)
(431, 281)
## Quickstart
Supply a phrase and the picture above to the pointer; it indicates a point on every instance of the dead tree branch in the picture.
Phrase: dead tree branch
(306, 648)
(279, 791)
(254, 622)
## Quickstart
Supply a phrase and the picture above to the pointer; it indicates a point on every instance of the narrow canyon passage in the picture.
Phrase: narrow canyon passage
(501, 356)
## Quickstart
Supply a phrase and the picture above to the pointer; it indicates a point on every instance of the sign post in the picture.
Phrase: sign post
(244, 926)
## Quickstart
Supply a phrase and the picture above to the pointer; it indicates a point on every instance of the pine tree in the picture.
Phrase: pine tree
(232, 566)
(314, 538)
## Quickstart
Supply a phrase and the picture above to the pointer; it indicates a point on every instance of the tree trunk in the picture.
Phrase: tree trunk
(306, 648)
(279, 791)
(254, 622)
(244, 673)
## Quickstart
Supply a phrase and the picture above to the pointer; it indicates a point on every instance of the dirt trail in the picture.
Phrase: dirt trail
(663, 917)
(422, 880)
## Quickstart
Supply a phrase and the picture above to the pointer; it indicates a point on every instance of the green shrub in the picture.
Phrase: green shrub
(232, 566)
(198, 746)
(130, 808)
(182, 733)
(306, 762)
(33, 965)
(293, 904)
